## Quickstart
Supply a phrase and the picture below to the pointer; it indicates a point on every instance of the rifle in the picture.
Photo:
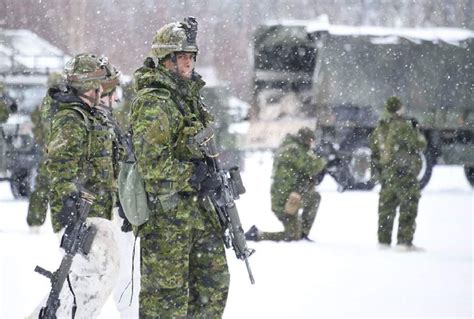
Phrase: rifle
(77, 238)
(231, 187)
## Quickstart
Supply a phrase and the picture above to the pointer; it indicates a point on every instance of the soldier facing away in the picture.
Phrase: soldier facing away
(80, 149)
(295, 170)
(396, 145)
(184, 270)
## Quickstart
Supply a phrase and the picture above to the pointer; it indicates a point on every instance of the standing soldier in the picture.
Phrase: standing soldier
(80, 148)
(184, 270)
(396, 145)
(4, 113)
(295, 171)
(41, 119)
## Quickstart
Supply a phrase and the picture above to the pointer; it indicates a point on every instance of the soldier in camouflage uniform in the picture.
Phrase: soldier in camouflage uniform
(183, 264)
(7, 104)
(295, 169)
(41, 119)
(396, 145)
(80, 150)
(3, 106)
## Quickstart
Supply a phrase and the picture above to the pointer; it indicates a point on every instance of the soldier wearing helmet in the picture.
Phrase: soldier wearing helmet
(79, 154)
(396, 144)
(184, 270)
(109, 88)
(295, 171)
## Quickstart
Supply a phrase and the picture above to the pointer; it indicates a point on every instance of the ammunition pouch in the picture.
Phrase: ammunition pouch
(293, 203)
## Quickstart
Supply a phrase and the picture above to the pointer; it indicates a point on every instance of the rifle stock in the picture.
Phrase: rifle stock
(77, 237)
(231, 187)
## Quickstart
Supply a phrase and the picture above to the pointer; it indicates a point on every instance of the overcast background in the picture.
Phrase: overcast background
(123, 29)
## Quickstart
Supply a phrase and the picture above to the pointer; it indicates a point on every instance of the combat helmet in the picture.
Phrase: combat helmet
(305, 135)
(393, 104)
(110, 84)
(175, 37)
(86, 72)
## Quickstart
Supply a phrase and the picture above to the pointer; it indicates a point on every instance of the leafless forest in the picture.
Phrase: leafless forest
(123, 29)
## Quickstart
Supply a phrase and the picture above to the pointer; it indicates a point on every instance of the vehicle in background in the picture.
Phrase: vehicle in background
(340, 76)
(229, 113)
(25, 62)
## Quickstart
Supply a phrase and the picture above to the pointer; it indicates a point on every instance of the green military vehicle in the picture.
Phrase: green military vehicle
(228, 112)
(342, 75)
(25, 62)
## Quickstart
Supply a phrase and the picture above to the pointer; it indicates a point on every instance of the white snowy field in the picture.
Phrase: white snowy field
(342, 274)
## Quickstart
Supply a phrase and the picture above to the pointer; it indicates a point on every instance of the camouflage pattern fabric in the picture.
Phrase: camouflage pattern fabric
(3, 112)
(294, 167)
(395, 146)
(39, 198)
(80, 148)
(183, 264)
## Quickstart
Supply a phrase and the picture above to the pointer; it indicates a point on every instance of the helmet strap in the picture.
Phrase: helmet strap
(93, 100)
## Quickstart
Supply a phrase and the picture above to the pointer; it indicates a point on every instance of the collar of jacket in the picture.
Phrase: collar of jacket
(160, 77)
(68, 97)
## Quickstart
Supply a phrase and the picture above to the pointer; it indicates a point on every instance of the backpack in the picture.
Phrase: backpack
(396, 151)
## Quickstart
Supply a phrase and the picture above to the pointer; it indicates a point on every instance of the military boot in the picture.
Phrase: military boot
(252, 233)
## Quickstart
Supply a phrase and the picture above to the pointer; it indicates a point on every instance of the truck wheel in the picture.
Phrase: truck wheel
(357, 165)
(469, 171)
(21, 184)
(428, 161)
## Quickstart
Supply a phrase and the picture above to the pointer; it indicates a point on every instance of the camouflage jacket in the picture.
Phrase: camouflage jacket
(42, 117)
(3, 112)
(166, 114)
(80, 151)
(294, 167)
(396, 145)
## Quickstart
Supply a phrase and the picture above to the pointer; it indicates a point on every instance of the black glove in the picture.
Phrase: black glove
(199, 175)
(203, 179)
(126, 226)
(70, 210)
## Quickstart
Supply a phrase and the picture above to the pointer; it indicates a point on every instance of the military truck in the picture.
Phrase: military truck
(25, 62)
(228, 112)
(341, 76)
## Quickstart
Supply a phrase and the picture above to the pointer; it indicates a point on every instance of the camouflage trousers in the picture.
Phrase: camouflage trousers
(184, 270)
(295, 226)
(402, 193)
(38, 205)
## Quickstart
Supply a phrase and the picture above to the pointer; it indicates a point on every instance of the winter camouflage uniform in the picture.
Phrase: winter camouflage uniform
(41, 119)
(3, 111)
(294, 169)
(396, 145)
(7, 105)
(183, 265)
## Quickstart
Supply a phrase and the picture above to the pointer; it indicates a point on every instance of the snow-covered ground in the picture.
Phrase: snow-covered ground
(342, 274)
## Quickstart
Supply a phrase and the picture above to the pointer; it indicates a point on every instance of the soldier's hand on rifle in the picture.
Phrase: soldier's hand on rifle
(69, 212)
(203, 179)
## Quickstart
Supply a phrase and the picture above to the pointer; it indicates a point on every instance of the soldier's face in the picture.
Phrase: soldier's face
(185, 62)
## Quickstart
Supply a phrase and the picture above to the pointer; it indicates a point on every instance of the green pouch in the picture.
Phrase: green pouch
(132, 194)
